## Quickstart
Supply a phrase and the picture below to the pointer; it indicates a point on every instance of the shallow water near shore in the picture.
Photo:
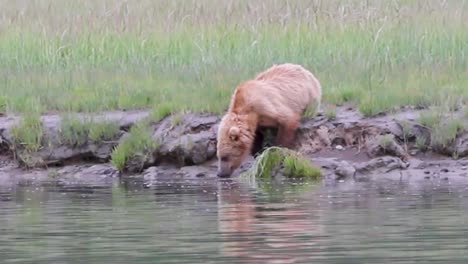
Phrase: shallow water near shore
(234, 221)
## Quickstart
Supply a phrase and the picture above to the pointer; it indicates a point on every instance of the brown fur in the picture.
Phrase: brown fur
(277, 98)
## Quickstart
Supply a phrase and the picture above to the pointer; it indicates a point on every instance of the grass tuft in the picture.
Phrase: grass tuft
(431, 118)
(74, 131)
(330, 112)
(311, 110)
(386, 141)
(160, 111)
(104, 131)
(3, 104)
(290, 163)
(421, 143)
(137, 147)
(29, 132)
(370, 107)
(177, 118)
(443, 125)
(442, 136)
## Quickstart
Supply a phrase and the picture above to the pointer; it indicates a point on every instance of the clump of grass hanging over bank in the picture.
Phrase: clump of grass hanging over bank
(76, 131)
(288, 162)
(444, 128)
(28, 134)
(160, 111)
(430, 118)
(135, 149)
(443, 135)
(104, 131)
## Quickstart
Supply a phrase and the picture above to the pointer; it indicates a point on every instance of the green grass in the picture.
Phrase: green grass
(443, 125)
(311, 110)
(28, 134)
(74, 131)
(291, 164)
(161, 111)
(431, 118)
(421, 143)
(330, 112)
(445, 134)
(97, 55)
(177, 119)
(137, 147)
(104, 131)
(370, 106)
(385, 141)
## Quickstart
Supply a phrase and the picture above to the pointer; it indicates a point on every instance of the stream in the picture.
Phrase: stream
(233, 221)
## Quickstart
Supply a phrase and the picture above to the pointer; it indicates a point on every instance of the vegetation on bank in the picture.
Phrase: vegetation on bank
(76, 131)
(28, 134)
(290, 163)
(135, 149)
(177, 55)
(444, 127)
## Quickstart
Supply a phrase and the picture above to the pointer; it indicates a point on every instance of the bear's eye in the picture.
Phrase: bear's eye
(224, 158)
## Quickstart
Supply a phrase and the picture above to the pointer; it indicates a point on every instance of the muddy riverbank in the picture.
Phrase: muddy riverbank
(348, 147)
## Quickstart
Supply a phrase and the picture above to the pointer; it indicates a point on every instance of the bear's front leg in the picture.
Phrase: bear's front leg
(258, 142)
(286, 134)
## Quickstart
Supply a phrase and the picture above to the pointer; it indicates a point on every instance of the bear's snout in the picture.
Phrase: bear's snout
(224, 169)
(224, 172)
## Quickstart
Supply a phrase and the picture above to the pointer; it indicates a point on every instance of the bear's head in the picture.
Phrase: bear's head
(235, 138)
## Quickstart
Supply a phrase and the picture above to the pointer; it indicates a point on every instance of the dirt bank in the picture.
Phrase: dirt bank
(348, 146)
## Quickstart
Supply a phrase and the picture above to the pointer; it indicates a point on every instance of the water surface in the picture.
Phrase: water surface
(213, 221)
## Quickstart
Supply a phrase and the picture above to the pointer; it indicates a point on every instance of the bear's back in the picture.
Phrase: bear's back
(282, 72)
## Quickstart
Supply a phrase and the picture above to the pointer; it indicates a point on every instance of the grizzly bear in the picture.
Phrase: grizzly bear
(276, 98)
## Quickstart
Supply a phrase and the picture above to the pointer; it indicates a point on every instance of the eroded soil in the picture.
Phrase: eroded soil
(349, 147)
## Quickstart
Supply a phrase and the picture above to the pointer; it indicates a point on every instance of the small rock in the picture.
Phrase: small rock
(381, 165)
(339, 147)
(170, 172)
(385, 145)
(324, 135)
(361, 178)
(191, 142)
(345, 170)
(86, 174)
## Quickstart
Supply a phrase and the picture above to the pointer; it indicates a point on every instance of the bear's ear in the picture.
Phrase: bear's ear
(234, 133)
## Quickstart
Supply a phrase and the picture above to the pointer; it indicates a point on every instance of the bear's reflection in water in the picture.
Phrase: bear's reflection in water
(262, 229)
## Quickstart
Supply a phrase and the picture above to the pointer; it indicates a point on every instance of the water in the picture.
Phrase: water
(233, 222)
